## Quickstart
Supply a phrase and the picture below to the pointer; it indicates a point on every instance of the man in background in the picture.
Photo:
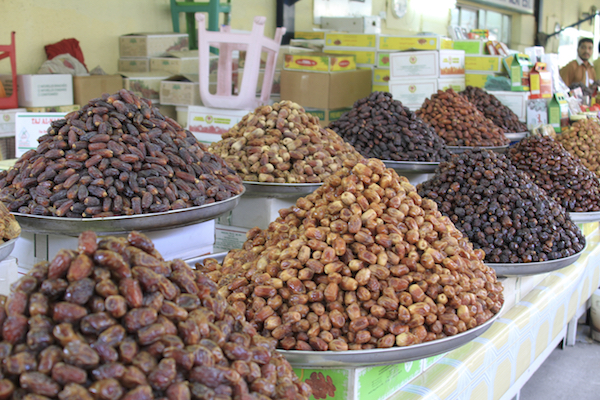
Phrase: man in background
(580, 70)
(597, 64)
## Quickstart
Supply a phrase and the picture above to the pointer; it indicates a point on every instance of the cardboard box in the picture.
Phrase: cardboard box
(275, 88)
(411, 92)
(380, 88)
(326, 91)
(45, 90)
(8, 118)
(457, 84)
(452, 63)
(145, 84)
(558, 112)
(283, 50)
(483, 63)
(327, 116)
(382, 59)
(309, 35)
(208, 124)
(516, 101)
(57, 109)
(152, 44)
(181, 90)
(473, 47)
(421, 64)
(540, 82)
(90, 87)
(29, 127)
(9, 273)
(537, 113)
(319, 62)
(520, 66)
(477, 79)
(363, 56)
(381, 75)
(421, 42)
(182, 115)
(139, 64)
(176, 63)
(351, 39)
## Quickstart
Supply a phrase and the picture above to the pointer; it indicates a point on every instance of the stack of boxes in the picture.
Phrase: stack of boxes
(363, 46)
(478, 65)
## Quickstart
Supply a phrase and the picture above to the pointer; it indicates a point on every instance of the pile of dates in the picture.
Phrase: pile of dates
(380, 127)
(582, 140)
(112, 321)
(116, 156)
(283, 144)
(363, 262)
(459, 122)
(494, 110)
(561, 175)
(501, 210)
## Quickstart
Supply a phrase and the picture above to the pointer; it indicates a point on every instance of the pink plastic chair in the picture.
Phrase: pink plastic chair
(8, 51)
(226, 41)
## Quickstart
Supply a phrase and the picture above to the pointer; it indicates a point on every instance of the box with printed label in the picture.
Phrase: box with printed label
(381, 75)
(144, 84)
(401, 43)
(364, 56)
(422, 64)
(56, 109)
(411, 92)
(8, 118)
(477, 79)
(334, 90)
(182, 90)
(456, 83)
(208, 124)
(90, 87)
(139, 64)
(452, 63)
(537, 113)
(382, 59)
(283, 50)
(309, 35)
(176, 63)
(29, 127)
(516, 101)
(327, 116)
(152, 44)
(351, 39)
(319, 62)
(380, 88)
(44, 90)
(540, 82)
(483, 63)
(558, 112)
(473, 47)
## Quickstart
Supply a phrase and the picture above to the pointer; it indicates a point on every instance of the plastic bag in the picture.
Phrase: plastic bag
(63, 64)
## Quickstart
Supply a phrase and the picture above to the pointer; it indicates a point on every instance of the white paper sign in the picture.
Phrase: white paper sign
(208, 124)
(29, 127)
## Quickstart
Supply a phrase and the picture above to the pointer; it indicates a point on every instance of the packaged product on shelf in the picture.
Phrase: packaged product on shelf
(152, 44)
(518, 67)
(457, 108)
(537, 113)
(350, 265)
(321, 62)
(540, 82)
(558, 112)
(116, 156)
(501, 210)
(143, 319)
(566, 179)
(403, 136)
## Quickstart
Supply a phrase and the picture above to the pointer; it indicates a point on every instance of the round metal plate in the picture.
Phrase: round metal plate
(462, 149)
(279, 190)
(533, 268)
(583, 217)
(412, 166)
(6, 248)
(392, 355)
(121, 224)
(516, 136)
(363, 358)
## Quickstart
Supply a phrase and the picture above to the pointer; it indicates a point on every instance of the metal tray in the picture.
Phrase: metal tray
(121, 224)
(218, 256)
(516, 136)
(462, 149)
(279, 190)
(583, 217)
(7, 247)
(533, 268)
(392, 355)
(412, 166)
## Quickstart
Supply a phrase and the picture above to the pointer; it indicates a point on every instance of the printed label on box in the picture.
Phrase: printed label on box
(483, 63)
(382, 382)
(350, 40)
(29, 127)
(405, 65)
(362, 57)
(229, 238)
(326, 383)
(208, 124)
(408, 42)
(381, 75)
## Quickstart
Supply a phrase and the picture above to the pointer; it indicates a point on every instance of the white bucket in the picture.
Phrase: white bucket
(595, 313)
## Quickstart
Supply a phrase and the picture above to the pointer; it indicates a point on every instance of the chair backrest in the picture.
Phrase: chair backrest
(227, 42)
(11, 101)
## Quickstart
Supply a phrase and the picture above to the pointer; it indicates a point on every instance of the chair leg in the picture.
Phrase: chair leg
(191, 28)
(213, 15)
(175, 18)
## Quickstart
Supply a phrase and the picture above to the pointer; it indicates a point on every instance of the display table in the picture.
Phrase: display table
(497, 364)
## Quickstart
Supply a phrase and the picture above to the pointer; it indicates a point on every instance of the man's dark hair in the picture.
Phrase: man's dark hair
(585, 40)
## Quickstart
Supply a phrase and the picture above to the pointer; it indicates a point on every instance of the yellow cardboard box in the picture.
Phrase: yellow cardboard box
(350, 39)
(365, 56)
(319, 62)
(399, 43)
